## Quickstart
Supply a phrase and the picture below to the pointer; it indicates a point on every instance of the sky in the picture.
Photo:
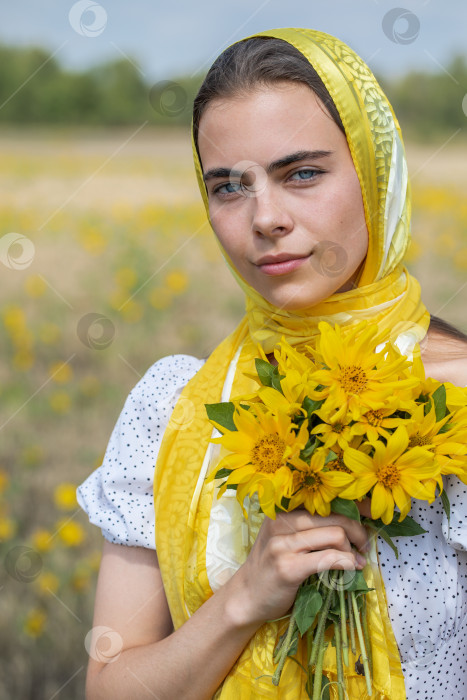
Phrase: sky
(183, 37)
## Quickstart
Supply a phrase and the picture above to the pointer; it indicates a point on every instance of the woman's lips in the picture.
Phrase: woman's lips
(281, 267)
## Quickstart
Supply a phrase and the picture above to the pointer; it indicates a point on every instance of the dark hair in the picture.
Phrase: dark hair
(446, 330)
(259, 61)
(262, 61)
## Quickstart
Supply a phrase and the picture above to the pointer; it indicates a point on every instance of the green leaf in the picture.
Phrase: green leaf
(310, 405)
(357, 583)
(344, 507)
(446, 505)
(439, 398)
(276, 380)
(307, 605)
(310, 447)
(222, 413)
(407, 528)
(387, 539)
(223, 473)
(293, 648)
(265, 371)
(325, 685)
(330, 457)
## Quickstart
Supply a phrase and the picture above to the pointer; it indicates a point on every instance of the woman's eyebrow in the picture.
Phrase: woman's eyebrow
(275, 165)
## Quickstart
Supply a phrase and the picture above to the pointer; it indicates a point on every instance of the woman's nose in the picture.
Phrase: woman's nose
(270, 217)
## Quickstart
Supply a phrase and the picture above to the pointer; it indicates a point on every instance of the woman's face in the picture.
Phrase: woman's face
(284, 197)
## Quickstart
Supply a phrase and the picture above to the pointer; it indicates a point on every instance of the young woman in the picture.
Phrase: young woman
(302, 171)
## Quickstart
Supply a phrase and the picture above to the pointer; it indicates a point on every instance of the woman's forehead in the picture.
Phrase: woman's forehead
(269, 122)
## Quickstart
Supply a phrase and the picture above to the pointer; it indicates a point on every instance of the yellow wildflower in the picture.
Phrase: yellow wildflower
(353, 375)
(42, 540)
(60, 401)
(35, 286)
(126, 277)
(65, 496)
(8, 528)
(335, 429)
(4, 480)
(60, 372)
(35, 622)
(71, 534)
(47, 581)
(395, 473)
(315, 488)
(375, 422)
(258, 455)
(177, 281)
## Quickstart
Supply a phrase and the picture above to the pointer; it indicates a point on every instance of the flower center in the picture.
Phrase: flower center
(309, 481)
(337, 428)
(337, 465)
(418, 439)
(353, 379)
(267, 453)
(375, 417)
(388, 475)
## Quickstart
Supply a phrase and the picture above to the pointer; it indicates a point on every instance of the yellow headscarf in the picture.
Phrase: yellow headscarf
(200, 540)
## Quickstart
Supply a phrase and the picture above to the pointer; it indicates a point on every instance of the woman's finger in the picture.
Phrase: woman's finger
(300, 520)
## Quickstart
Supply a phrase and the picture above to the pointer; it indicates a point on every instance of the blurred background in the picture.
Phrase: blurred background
(107, 263)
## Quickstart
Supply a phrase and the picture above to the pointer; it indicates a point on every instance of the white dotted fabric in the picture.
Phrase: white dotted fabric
(426, 587)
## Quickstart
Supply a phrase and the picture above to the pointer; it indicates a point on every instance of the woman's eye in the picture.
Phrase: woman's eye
(306, 174)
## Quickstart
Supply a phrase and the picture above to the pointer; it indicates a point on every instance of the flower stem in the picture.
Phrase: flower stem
(343, 623)
(340, 670)
(361, 642)
(284, 649)
(366, 632)
(319, 634)
(319, 672)
(353, 644)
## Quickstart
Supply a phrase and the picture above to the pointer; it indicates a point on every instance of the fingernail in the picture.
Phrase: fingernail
(361, 560)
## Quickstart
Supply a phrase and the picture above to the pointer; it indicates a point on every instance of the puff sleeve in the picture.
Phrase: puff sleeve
(118, 495)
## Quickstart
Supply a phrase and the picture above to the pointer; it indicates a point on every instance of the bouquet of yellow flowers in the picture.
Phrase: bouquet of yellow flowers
(350, 419)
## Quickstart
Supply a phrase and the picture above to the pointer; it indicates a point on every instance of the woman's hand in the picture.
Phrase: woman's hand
(286, 551)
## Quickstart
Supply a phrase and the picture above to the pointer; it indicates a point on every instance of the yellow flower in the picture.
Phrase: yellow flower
(259, 452)
(334, 430)
(71, 534)
(126, 277)
(177, 281)
(395, 473)
(288, 358)
(8, 528)
(4, 480)
(291, 398)
(47, 581)
(60, 401)
(60, 372)
(160, 298)
(353, 375)
(81, 579)
(92, 240)
(315, 488)
(376, 421)
(42, 540)
(65, 496)
(35, 286)
(35, 622)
